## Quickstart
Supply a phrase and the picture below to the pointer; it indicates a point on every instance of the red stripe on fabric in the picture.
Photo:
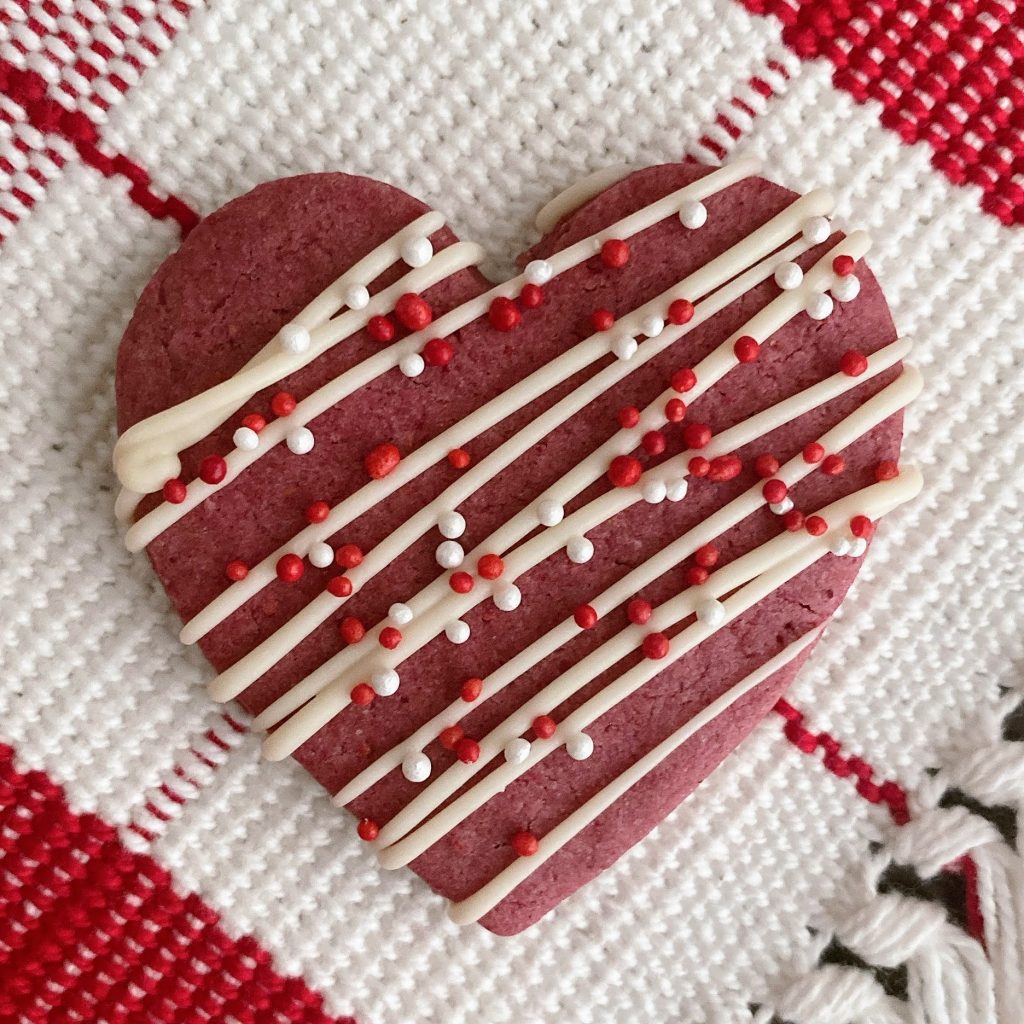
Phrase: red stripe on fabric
(90, 931)
(949, 73)
(889, 793)
(975, 920)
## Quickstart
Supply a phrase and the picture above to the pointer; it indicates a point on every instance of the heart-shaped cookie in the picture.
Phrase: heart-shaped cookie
(511, 568)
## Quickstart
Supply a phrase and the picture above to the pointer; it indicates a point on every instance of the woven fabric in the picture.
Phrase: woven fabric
(154, 869)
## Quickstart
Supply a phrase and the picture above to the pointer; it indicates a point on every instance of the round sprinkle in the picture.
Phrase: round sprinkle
(579, 550)
(839, 545)
(508, 598)
(417, 252)
(457, 631)
(788, 276)
(886, 470)
(819, 307)
(711, 612)
(654, 491)
(384, 682)
(684, 380)
(254, 421)
(362, 695)
(461, 582)
(579, 746)
(706, 556)
(858, 547)
(368, 830)
(793, 520)
(413, 312)
(412, 364)
(459, 458)
(321, 555)
(724, 467)
(680, 311)
(525, 844)
(449, 738)
(283, 404)
(780, 508)
(698, 466)
(816, 230)
(846, 289)
(774, 490)
(351, 629)
(416, 767)
(693, 214)
(349, 555)
(652, 326)
(624, 347)
(381, 329)
(517, 750)
(813, 453)
(544, 727)
(695, 575)
(861, 526)
(175, 492)
(628, 417)
(246, 439)
(449, 554)
(236, 570)
(675, 410)
(833, 465)
(843, 265)
(467, 750)
(490, 567)
(382, 460)
(602, 319)
(400, 614)
(300, 441)
(585, 616)
(677, 489)
(294, 338)
(504, 314)
(615, 253)
(550, 512)
(317, 512)
(624, 471)
(655, 646)
(213, 469)
(766, 465)
(654, 442)
(438, 352)
(451, 524)
(538, 272)
(290, 568)
(815, 525)
(471, 689)
(639, 611)
(532, 296)
(339, 586)
(389, 638)
(356, 296)
(746, 349)
(853, 363)
(696, 435)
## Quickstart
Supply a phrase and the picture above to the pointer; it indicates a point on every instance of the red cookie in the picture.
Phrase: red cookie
(725, 608)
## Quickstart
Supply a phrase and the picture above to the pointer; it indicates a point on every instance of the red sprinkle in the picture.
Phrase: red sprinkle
(339, 586)
(438, 352)
(544, 726)
(382, 460)
(684, 380)
(368, 829)
(680, 311)
(696, 435)
(531, 296)
(283, 404)
(362, 694)
(833, 465)
(675, 410)
(861, 526)
(724, 467)
(629, 416)
(213, 469)
(349, 555)
(504, 314)
(254, 421)
(236, 570)
(449, 738)
(615, 253)
(624, 471)
(746, 349)
(490, 567)
(461, 582)
(381, 329)
(813, 452)
(695, 575)
(774, 491)
(815, 525)
(602, 319)
(766, 465)
(698, 466)
(639, 611)
(467, 750)
(389, 638)
(413, 312)
(290, 568)
(525, 844)
(793, 520)
(843, 265)
(853, 363)
(585, 616)
(707, 556)
(318, 512)
(175, 492)
(655, 646)
(351, 629)
(654, 442)
(459, 458)
(886, 470)
(471, 689)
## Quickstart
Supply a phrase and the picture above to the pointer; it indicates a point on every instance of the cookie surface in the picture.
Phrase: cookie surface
(251, 268)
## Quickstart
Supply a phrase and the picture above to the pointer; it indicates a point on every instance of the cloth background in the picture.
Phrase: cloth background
(153, 868)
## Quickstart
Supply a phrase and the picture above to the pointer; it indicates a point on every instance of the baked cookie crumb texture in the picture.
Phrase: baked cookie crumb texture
(511, 568)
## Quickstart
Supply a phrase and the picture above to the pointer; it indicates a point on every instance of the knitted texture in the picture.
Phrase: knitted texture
(857, 859)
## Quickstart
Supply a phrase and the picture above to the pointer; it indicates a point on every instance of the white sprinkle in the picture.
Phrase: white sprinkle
(819, 307)
(294, 338)
(579, 747)
(400, 614)
(816, 230)
(457, 631)
(451, 525)
(539, 272)
(677, 489)
(449, 554)
(858, 547)
(693, 214)
(780, 508)
(654, 491)
(846, 288)
(517, 750)
(417, 252)
(321, 555)
(384, 682)
(579, 550)
(652, 326)
(411, 365)
(788, 276)
(300, 441)
(625, 347)
(246, 439)
(549, 512)
(711, 612)
(416, 767)
(356, 296)
(839, 545)
(508, 598)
